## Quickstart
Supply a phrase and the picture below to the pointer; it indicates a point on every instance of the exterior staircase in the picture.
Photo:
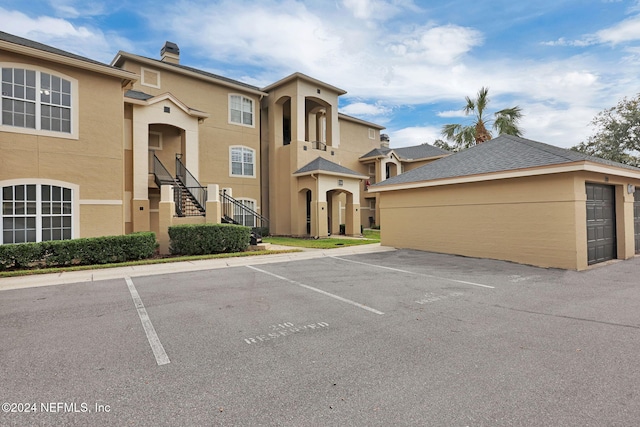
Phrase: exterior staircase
(190, 197)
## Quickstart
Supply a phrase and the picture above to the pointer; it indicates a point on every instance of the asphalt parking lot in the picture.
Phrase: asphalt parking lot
(389, 338)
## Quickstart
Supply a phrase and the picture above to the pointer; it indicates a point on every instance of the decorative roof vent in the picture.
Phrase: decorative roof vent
(384, 140)
(170, 52)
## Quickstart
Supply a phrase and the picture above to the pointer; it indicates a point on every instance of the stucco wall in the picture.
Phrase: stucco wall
(92, 160)
(215, 134)
(526, 220)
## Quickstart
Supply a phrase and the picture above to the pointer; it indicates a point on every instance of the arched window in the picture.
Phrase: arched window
(36, 213)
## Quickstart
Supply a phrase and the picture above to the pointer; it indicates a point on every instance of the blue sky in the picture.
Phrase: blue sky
(405, 64)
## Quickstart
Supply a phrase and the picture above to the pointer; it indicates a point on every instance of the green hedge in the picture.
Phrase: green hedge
(86, 251)
(202, 239)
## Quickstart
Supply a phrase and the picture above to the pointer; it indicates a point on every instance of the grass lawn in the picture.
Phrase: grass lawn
(371, 236)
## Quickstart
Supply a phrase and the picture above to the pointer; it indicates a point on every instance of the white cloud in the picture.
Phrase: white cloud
(586, 41)
(18, 23)
(62, 34)
(286, 35)
(383, 52)
(78, 8)
(371, 9)
(436, 44)
(414, 135)
(564, 127)
(627, 30)
(451, 113)
(364, 109)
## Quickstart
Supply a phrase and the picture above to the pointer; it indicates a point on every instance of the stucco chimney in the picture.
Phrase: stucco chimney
(384, 140)
(170, 53)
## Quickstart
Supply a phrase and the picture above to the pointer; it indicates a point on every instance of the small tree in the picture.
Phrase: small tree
(505, 121)
(617, 136)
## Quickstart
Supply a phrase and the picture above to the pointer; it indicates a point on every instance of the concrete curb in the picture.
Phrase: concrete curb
(36, 280)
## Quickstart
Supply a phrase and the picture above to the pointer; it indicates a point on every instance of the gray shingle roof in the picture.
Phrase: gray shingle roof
(136, 94)
(376, 152)
(422, 151)
(43, 47)
(503, 153)
(324, 165)
(416, 152)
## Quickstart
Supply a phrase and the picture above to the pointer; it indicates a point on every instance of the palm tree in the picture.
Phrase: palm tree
(505, 122)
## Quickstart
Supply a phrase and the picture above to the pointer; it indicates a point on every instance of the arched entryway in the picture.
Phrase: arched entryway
(327, 200)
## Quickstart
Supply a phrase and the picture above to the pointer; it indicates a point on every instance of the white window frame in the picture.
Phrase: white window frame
(253, 208)
(74, 107)
(75, 205)
(143, 72)
(242, 99)
(372, 133)
(243, 149)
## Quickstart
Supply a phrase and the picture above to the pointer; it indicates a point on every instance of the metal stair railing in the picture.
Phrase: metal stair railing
(162, 177)
(185, 203)
(160, 174)
(191, 184)
(232, 208)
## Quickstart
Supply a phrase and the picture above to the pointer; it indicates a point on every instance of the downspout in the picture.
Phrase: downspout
(317, 216)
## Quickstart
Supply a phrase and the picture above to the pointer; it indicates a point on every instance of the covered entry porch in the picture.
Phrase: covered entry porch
(327, 196)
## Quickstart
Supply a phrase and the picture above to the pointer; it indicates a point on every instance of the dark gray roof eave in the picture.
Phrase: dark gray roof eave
(320, 165)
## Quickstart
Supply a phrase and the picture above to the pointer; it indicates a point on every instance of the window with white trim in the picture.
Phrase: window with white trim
(36, 213)
(242, 161)
(244, 217)
(241, 110)
(372, 133)
(34, 99)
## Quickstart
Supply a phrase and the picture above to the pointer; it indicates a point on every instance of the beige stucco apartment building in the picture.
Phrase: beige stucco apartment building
(87, 148)
(90, 149)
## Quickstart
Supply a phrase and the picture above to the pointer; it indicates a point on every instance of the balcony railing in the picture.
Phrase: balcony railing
(319, 145)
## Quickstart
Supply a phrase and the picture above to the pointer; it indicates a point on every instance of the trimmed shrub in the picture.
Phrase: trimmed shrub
(85, 251)
(203, 239)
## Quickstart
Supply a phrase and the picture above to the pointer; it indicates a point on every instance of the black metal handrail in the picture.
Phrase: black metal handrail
(198, 192)
(232, 208)
(160, 174)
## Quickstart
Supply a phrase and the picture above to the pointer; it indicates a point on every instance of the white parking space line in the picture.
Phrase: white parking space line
(154, 341)
(417, 274)
(320, 291)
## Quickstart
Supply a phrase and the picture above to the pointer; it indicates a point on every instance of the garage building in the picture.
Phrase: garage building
(518, 200)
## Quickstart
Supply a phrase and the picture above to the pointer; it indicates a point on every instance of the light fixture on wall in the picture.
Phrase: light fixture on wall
(631, 188)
